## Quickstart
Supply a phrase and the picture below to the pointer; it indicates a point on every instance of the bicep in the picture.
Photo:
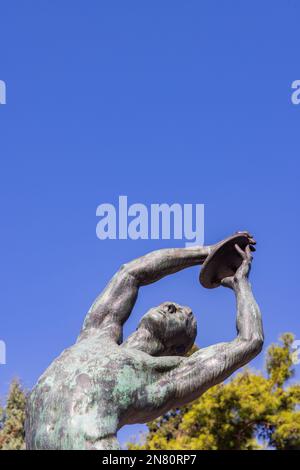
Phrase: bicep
(200, 371)
(204, 369)
(186, 382)
(115, 302)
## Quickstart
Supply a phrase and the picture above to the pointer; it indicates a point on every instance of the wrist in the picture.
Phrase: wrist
(241, 284)
(203, 252)
(209, 249)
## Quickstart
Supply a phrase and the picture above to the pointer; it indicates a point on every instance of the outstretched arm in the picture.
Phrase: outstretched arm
(113, 306)
(212, 365)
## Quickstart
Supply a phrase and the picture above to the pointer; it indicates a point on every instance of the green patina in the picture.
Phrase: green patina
(98, 384)
(127, 382)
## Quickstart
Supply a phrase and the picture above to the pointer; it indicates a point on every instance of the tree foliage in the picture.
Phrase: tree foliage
(12, 418)
(251, 411)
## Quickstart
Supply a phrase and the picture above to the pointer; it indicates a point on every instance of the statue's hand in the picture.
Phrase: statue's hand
(250, 237)
(251, 240)
(242, 272)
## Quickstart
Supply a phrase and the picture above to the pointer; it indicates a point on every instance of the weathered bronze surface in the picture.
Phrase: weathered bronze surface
(102, 383)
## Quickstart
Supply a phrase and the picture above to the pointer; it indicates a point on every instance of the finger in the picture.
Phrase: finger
(245, 232)
(248, 253)
(249, 257)
(240, 251)
(250, 237)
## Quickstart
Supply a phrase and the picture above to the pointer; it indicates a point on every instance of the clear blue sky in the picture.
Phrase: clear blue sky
(163, 101)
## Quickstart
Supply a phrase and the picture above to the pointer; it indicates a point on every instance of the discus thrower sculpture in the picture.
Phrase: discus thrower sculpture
(102, 383)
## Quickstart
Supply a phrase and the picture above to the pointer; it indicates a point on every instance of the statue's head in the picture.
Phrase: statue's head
(166, 330)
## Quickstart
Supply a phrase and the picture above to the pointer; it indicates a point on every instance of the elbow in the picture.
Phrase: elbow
(255, 345)
(251, 347)
(126, 271)
(258, 344)
(123, 268)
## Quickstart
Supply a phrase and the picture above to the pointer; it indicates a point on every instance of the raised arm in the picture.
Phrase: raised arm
(212, 365)
(113, 306)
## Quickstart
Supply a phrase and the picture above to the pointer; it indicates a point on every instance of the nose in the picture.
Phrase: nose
(188, 311)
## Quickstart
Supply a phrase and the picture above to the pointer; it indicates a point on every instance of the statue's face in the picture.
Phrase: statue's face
(173, 325)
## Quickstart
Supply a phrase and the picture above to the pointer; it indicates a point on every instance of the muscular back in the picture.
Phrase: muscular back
(90, 391)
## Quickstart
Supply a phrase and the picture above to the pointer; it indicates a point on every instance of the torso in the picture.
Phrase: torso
(86, 394)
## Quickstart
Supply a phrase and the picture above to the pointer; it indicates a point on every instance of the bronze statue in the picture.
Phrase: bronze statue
(102, 383)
